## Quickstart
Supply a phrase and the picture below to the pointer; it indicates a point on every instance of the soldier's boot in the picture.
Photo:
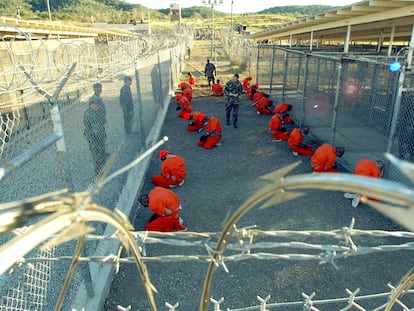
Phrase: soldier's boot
(227, 122)
(235, 123)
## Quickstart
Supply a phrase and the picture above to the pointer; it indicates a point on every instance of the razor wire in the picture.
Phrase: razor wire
(248, 240)
(46, 61)
(80, 210)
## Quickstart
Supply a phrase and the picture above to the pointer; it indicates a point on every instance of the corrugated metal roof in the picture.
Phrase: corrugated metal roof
(368, 21)
(12, 27)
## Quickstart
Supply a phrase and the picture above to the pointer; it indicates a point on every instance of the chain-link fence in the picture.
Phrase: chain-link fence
(59, 130)
(352, 100)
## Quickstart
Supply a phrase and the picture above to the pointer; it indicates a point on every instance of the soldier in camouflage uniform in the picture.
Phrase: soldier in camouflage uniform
(210, 72)
(125, 99)
(233, 90)
(94, 120)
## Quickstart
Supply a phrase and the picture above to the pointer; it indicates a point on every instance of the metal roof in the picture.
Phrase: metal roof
(13, 27)
(362, 22)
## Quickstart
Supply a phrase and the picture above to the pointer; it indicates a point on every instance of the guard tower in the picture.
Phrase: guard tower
(175, 11)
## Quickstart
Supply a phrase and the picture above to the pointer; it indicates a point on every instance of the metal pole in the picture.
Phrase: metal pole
(212, 28)
(336, 103)
(231, 16)
(48, 10)
(139, 102)
(231, 31)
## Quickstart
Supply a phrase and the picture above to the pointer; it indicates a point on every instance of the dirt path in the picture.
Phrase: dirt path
(199, 55)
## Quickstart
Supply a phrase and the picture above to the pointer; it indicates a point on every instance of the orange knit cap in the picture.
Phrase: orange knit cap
(163, 153)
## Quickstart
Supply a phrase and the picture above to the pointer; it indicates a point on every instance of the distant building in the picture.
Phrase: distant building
(175, 11)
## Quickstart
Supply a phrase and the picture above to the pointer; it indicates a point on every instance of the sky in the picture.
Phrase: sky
(239, 6)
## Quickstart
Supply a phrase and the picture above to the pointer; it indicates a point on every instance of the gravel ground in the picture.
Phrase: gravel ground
(218, 182)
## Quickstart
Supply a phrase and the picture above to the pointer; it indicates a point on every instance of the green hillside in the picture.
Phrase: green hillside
(84, 12)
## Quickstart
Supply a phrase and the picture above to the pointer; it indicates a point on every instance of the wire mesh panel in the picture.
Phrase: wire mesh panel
(402, 142)
(320, 85)
(62, 125)
(277, 74)
(264, 62)
(347, 101)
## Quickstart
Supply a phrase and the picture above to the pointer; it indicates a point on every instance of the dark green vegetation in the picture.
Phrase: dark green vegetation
(117, 11)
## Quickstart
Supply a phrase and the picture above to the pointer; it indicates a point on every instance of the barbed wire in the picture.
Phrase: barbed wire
(352, 301)
(330, 252)
(246, 239)
(48, 59)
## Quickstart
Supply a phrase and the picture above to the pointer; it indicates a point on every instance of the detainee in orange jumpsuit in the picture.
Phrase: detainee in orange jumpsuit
(324, 158)
(196, 119)
(284, 108)
(263, 105)
(368, 168)
(246, 82)
(279, 133)
(183, 105)
(186, 90)
(251, 90)
(295, 142)
(213, 133)
(217, 89)
(166, 206)
(173, 170)
(191, 79)
(258, 95)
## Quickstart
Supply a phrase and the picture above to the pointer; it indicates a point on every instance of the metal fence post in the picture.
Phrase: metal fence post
(304, 90)
(257, 63)
(272, 67)
(336, 103)
(286, 62)
(140, 110)
(160, 78)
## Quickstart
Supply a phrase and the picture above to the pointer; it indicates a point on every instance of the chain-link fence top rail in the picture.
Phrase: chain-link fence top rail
(45, 86)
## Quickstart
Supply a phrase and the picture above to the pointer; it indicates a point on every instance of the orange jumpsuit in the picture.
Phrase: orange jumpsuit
(185, 105)
(263, 105)
(368, 168)
(283, 107)
(213, 128)
(161, 199)
(251, 90)
(324, 159)
(246, 83)
(196, 121)
(217, 89)
(275, 125)
(173, 172)
(295, 143)
(258, 95)
(191, 80)
(186, 90)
